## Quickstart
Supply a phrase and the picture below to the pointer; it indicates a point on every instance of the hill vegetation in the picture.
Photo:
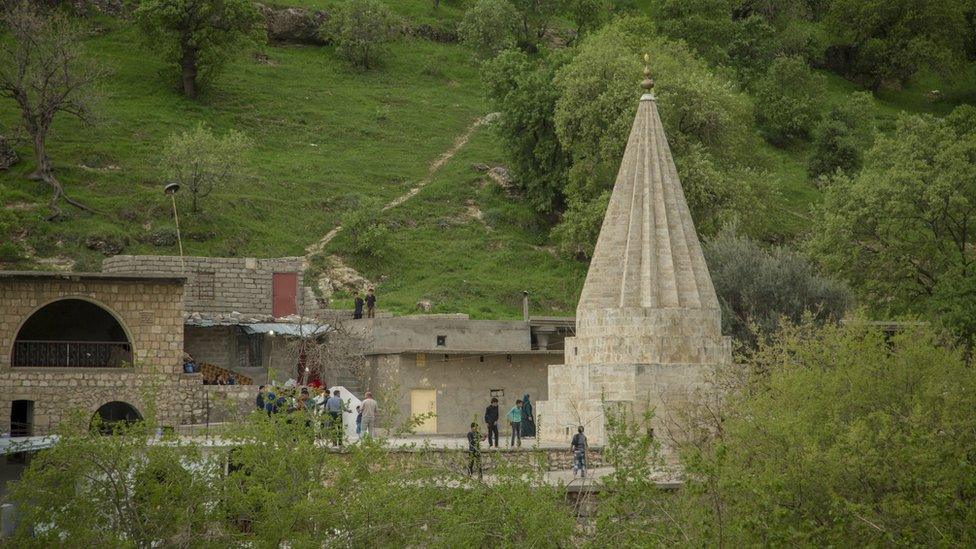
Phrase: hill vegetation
(765, 106)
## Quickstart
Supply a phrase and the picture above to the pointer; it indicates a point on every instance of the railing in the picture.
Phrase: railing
(71, 354)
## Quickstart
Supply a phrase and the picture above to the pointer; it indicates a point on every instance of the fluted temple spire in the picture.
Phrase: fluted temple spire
(648, 255)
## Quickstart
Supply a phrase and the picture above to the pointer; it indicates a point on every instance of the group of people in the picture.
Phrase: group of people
(520, 418)
(522, 422)
(369, 302)
(318, 401)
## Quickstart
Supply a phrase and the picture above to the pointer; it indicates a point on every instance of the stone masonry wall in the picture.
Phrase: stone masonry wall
(220, 285)
(151, 314)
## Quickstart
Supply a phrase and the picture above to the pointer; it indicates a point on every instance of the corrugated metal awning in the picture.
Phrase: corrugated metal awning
(281, 328)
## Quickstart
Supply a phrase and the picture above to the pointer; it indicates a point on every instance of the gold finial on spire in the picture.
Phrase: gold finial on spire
(648, 82)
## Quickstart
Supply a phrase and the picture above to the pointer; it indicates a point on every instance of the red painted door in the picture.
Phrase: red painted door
(284, 287)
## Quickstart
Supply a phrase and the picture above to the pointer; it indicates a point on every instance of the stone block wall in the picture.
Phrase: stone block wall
(150, 312)
(221, 285)
(464, 383)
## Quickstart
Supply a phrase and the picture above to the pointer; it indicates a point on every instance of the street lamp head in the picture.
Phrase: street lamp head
(271, 333)
(171, 188)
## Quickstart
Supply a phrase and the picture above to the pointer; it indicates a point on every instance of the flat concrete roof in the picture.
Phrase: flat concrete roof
(463, 352)
(107, 277)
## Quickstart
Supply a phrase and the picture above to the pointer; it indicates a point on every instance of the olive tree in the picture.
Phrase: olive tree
(360, 29)
(197, 36)
(44, 70)
(489, 26)
(200, 161)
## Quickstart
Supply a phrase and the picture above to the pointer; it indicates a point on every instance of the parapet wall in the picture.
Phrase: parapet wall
(220, 285)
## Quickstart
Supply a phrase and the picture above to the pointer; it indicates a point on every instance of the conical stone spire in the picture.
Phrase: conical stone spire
(648, 275)
(648, 323)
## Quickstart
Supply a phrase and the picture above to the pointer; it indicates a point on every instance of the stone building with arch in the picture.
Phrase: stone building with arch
(101, 343)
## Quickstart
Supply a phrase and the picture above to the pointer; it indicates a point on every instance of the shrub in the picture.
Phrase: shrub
(841, 137)
(367, 233)
(200, 161)
(489, 26)
(758, 288)
(788, 100)
(360, 29)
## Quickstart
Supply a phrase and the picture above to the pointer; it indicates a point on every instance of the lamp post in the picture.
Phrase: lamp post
(171, 189)
(270, 354)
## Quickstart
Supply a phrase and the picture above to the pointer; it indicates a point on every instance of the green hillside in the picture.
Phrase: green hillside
(329, 139)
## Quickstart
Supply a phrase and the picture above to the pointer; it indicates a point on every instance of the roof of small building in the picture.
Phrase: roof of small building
(108, 277)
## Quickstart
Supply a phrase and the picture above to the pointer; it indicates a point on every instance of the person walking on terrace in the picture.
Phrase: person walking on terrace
(578, 446)
(528, 419)
(370, 304)
(357, 306)
(370, 408)
(474, 450)
(491, 420)
(334, 407)
(515, 419)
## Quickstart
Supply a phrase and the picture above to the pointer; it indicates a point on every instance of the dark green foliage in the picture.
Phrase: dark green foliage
(838, 436)
(889, 41)
(901, 231)
(753, 46)
(788, 100)
(841, 137)
(759, 288)
(360, 30)
(536, 18)
(522, 90)
(197, 36)
(489, 26)
(705, 25)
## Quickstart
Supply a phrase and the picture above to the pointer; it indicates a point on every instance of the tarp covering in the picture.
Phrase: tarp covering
(280, 328)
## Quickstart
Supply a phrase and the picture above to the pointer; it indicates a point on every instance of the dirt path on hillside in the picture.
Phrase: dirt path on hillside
(434, 167)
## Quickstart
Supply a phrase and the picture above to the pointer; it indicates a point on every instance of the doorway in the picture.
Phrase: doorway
(22, 418)
(424, 401)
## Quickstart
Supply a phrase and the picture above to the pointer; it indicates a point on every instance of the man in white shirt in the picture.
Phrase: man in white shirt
(369, 408)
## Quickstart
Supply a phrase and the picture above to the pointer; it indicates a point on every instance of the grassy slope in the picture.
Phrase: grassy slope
(323, 134)
(326, 136)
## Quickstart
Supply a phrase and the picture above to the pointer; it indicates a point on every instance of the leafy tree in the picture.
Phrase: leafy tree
(702, 113)
(705, 25)
(901, 230)
(200, 161)
(536, 19)
(839, 435)
(788, 100)
(44, 70)
(753, 47)
(198, 36)
(521, 89)
(889, 41)
(758, 288)
(840, 139)
(588, 15)
(489, 26)
(360, 29)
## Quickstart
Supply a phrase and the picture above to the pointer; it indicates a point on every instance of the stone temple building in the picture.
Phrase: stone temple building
(648, 323)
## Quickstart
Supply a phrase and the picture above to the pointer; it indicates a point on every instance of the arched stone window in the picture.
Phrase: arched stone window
(110, 413)
(72, 333)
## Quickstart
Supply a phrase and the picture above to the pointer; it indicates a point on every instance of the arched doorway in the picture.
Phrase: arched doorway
(71, 333)
(111, 413)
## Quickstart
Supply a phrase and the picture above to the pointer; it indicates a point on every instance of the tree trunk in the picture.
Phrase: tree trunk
(43, 163)
(188, 64)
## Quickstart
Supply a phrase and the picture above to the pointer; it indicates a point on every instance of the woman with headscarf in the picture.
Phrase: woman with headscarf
(528, 418)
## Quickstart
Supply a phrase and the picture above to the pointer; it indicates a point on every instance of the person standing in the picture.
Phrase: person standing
(474, 450)
(515, 419)
(370, 408)
(491, 420)
(359, 420)
(370, 304)
(357, 306)
(259, 401)
(528, 419)
(578, 445)
(334, 407)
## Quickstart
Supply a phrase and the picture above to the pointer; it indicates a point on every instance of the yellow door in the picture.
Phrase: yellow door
(424, 401)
